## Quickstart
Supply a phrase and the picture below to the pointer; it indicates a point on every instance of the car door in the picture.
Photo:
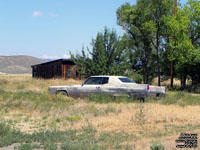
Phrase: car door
(112, 86)
(106, 88)
(91, 86)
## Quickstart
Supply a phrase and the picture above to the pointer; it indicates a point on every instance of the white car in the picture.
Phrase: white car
(111, 85)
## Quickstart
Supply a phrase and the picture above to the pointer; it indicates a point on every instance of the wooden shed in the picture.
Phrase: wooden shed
(61, 68)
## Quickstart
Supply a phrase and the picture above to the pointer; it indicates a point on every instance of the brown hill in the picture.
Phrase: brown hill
(18, 64)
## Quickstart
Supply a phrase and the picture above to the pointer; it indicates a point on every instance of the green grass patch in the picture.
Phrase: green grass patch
(21, 87)
(169, 130)
(100, 98)
(3, 82)
(74, 118)
(9, 136)
(179, 98)
(156, 146)
(33, 100)
(85, 138)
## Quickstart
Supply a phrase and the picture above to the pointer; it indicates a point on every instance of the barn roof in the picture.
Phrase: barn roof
(52, 61)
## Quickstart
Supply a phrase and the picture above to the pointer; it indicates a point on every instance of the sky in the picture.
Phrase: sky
(52, 29)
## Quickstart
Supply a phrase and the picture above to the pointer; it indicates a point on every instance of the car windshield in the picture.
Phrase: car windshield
(126, 80)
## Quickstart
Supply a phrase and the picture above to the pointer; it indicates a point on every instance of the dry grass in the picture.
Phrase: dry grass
(177, 82)
(27, 83)
(147, 121)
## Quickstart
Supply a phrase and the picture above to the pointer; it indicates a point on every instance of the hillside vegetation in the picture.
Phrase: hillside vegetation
(32, 119)
(18, 64)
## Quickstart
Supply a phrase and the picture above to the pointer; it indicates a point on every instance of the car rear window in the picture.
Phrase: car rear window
(126, 80)
(105, 80)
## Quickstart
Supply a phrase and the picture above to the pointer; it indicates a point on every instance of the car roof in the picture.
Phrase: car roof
(109, 76)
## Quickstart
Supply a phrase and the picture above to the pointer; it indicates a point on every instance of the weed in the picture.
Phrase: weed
(128, 147)
(140, 116)
(58, 120)
(44, 117)
(9, 136)
(109, 109)
(21, 87)
(157, 146)
(28, 146)
(50, 146)
(2, 91)
(4, 129)
(26, 119)
(155, 134)
(53, 124)
(73, 118)
(3, 82)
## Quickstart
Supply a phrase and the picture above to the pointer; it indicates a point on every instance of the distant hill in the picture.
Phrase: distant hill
(18, 64)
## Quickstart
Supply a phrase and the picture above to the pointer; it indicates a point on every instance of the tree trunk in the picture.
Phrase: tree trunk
(172, 74)
(158, 62)
(183, 81)
(145, 74)
(172, 62)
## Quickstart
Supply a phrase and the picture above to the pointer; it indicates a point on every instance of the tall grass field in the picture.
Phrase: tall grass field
(30, 118)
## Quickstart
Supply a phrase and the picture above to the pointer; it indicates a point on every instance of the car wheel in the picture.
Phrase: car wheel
(142, 99)
(64, 93)
(157, 94)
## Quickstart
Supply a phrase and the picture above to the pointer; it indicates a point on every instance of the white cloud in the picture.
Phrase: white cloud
(49, 57)
(67, 56)
(37, 13)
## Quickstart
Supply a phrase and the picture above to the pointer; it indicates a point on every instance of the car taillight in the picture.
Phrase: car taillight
(148, 87)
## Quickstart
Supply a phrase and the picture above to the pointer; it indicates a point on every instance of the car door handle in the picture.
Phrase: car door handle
(98, 87)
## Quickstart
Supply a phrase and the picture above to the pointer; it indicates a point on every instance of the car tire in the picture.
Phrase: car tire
(157, 94)
(64, 93)
(142, 99)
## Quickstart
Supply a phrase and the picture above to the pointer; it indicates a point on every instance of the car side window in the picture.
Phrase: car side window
(93, 81)
(105, 80)
(126, 80)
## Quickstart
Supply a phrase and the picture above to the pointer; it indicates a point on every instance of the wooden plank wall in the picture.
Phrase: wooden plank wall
(55, 69)
(48, 70)
(72, 68)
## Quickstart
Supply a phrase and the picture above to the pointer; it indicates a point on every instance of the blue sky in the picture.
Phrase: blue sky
(52, 28)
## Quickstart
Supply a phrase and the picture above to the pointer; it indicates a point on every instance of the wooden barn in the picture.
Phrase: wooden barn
(61, 68)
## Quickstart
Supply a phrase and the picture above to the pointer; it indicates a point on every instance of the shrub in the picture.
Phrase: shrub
(157, 146)
(74, 118)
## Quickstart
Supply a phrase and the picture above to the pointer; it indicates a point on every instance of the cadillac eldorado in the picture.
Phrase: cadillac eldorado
(111, 85)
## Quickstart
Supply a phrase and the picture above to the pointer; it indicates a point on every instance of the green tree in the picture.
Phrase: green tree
(155, 36)
(105, 58)
(192, 9)
(158, 9)
(179, 48)
(138, 26)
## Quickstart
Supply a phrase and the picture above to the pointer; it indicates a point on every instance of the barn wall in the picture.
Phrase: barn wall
(48, 70)
(55, 69)
(69, 71)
